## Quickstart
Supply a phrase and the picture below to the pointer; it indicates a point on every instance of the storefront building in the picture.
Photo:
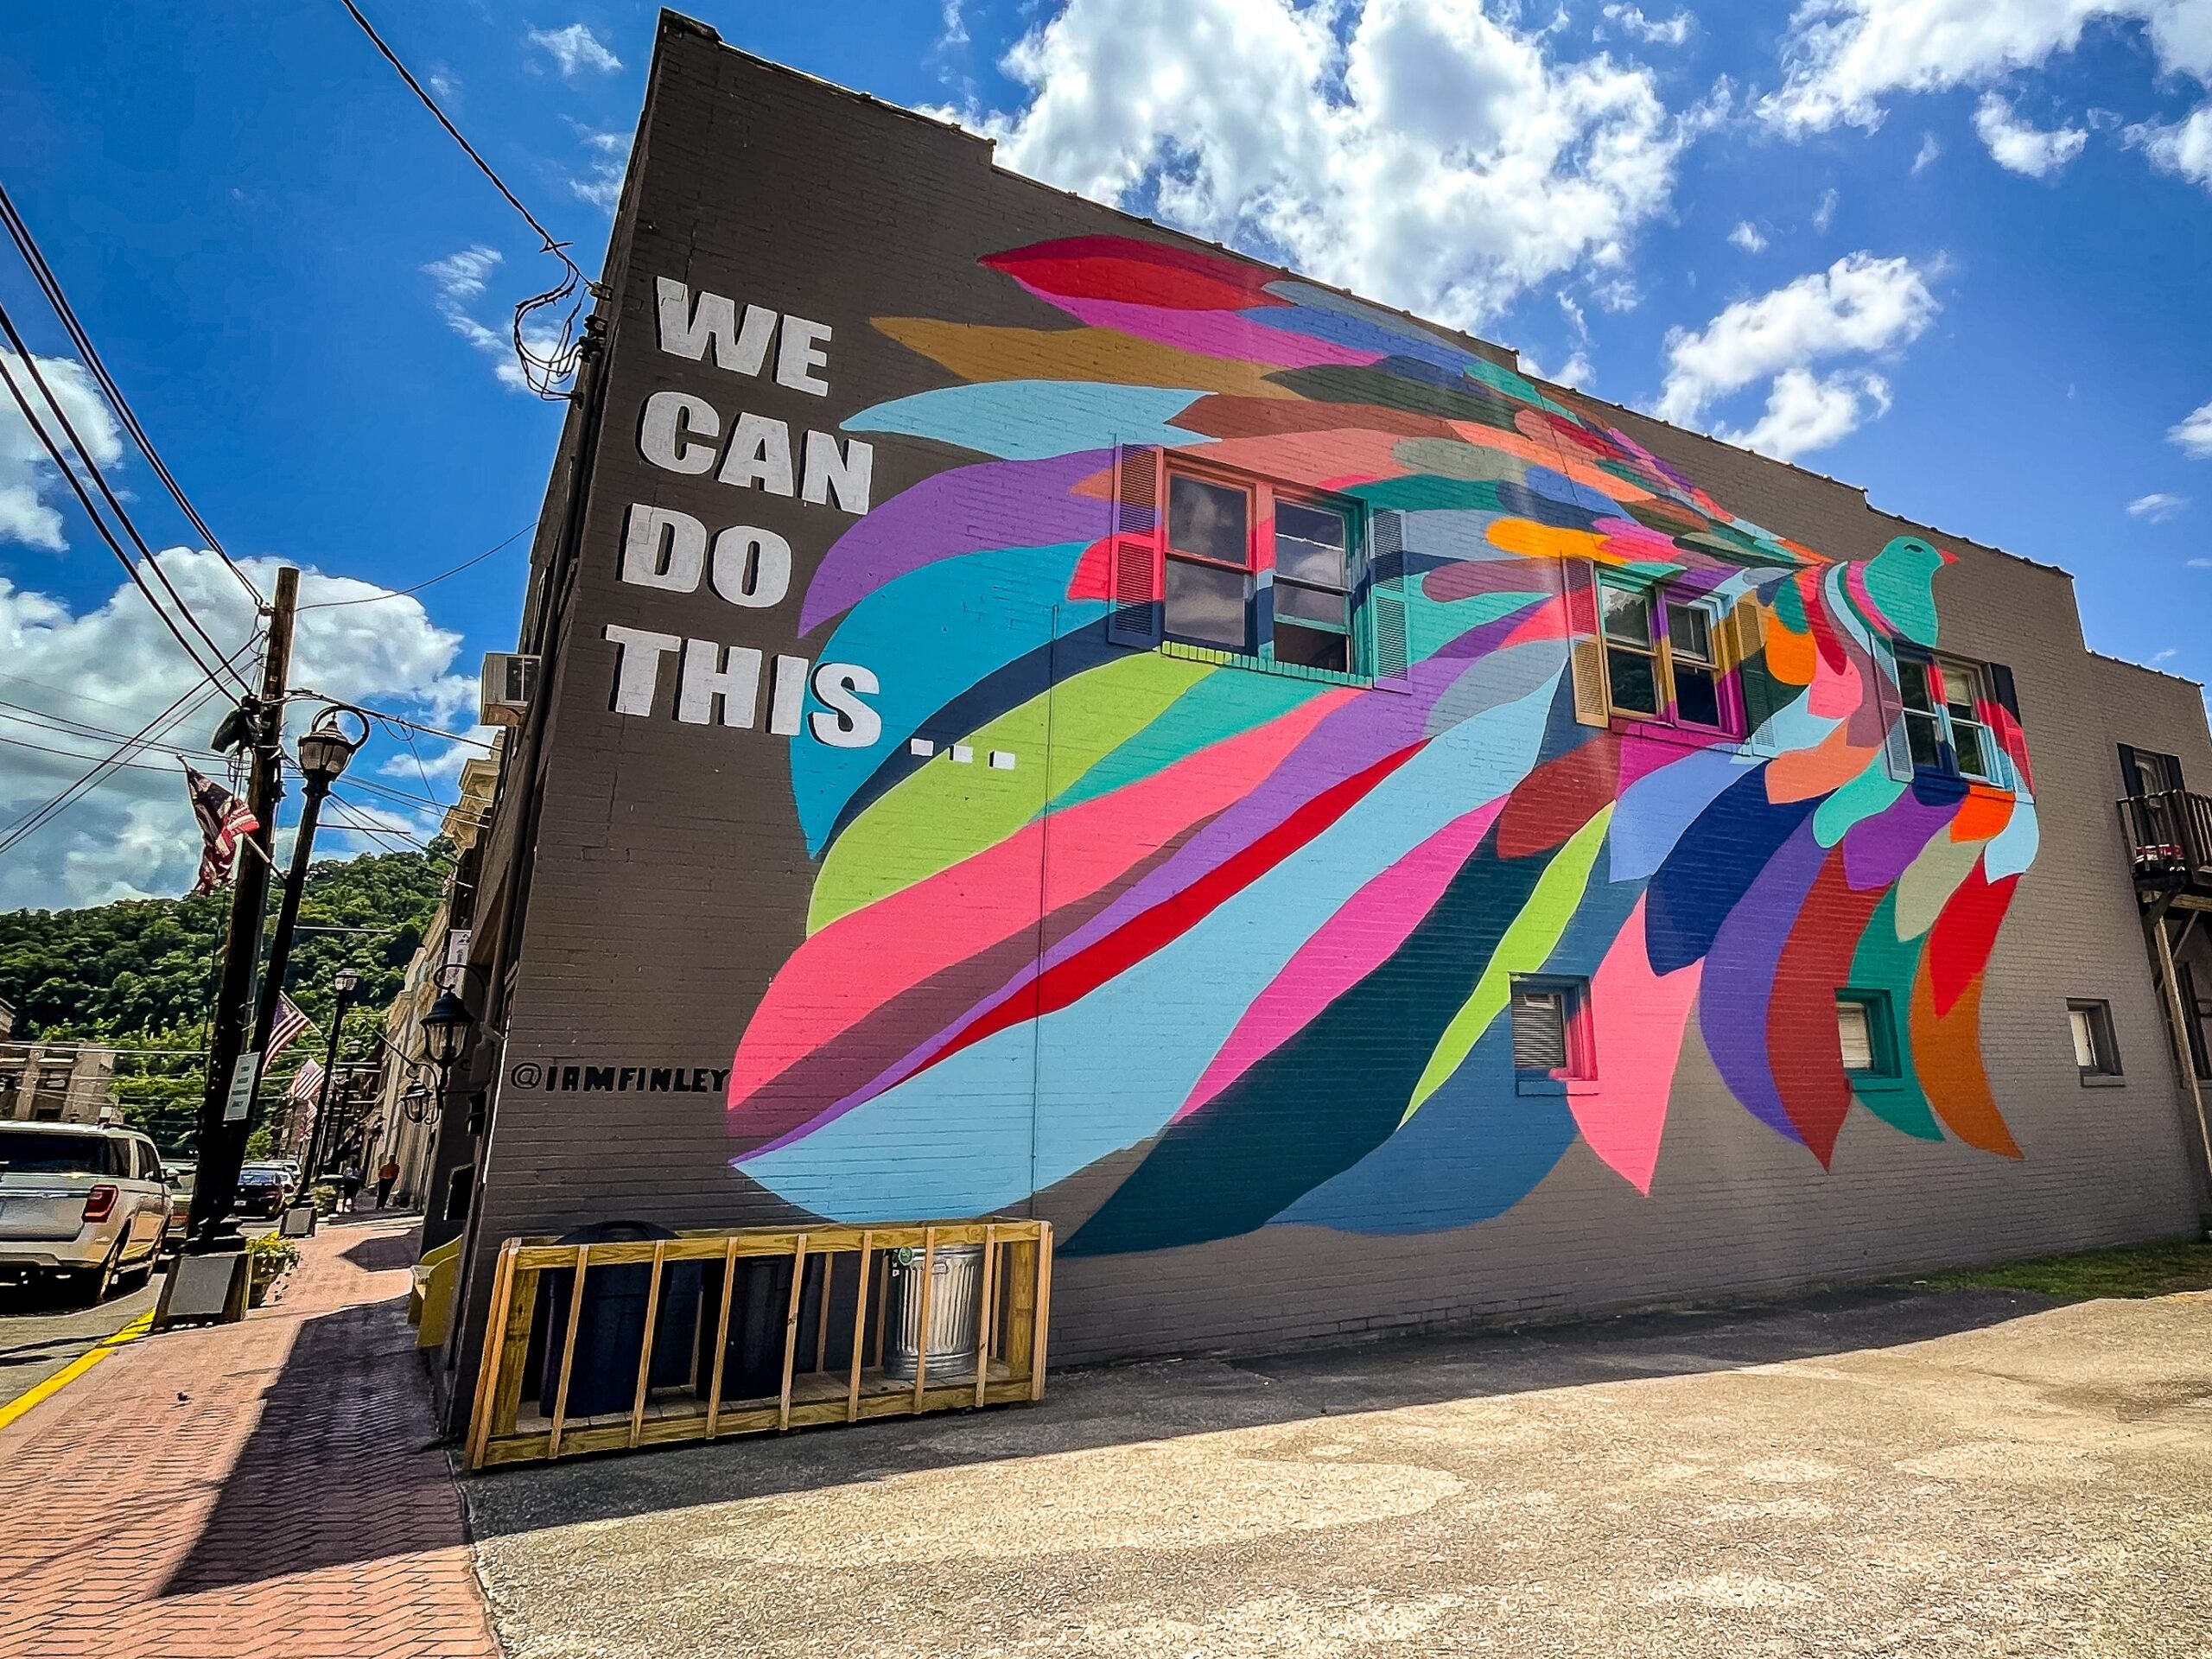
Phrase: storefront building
(1040, 715)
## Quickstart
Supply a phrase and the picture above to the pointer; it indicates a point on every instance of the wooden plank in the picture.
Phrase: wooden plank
(709, 1245)
(791, 1326)
(646, 1347)
(822, 1312)
(983, 1312)
(521, 1317)
(860, 1331)
(1044, 1313)
(568, 1351)
(1020, 1304)
(922, 1334)
(487, 1369)
(722, 1333)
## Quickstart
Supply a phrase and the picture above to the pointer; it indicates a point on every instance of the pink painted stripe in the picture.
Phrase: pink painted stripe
(859, 961)
(1227, 334)
(1350, 945)
(1639, 1041)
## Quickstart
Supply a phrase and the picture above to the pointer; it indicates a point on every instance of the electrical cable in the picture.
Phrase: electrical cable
(402, 593)
(38, 427)
(543, 371)
(50, 285)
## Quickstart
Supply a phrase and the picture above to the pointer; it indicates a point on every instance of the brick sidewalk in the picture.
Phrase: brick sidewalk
(253, 1492)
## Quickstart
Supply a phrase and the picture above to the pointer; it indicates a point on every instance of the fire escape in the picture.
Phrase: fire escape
(2169, 849)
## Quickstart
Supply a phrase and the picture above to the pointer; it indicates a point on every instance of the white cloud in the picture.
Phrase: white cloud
(1575, 373)
(2199, 564)
(2019, 148)
(1432, 157)
(1746, 237)
(1824, 213)
(1652, 31)
(2183, 147)
(2157, 507)
(2170, 652)
(30, 482)
(114, 666)
(444, 82)
(2192, 433)
(461, 277)
(1861, 306)
(1842, 58)
(575, 48)
(953, 32)
(602, 187)
(1930, 147)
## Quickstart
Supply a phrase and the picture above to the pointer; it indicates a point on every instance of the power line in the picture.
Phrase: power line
(402, 593)
(37, 426)
(50, 285)
(543, 370)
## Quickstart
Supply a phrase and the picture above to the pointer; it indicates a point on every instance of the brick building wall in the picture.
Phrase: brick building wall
(768, 973)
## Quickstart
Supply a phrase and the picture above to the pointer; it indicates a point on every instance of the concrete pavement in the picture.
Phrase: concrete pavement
(1870, 1474)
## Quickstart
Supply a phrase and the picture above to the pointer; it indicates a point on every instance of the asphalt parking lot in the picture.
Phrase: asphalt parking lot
(1869, 1472)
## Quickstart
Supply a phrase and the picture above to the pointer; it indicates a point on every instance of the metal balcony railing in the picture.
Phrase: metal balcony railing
(2169, 836)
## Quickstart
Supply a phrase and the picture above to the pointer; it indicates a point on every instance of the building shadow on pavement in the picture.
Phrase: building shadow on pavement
(339, 1468)
(385, 1251)
(1090, 1408)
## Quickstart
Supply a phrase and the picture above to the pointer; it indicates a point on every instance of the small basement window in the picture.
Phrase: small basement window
(1866, 1035)
(1551, 1032)
(2095, 1055)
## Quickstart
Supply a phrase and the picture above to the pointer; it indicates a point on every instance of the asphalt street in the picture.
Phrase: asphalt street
(1977, 1473)
(44, 1326)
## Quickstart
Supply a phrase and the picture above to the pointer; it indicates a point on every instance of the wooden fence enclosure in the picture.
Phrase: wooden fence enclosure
(606, 1346)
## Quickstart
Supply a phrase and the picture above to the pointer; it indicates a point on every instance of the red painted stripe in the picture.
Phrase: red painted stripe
(1069, 982)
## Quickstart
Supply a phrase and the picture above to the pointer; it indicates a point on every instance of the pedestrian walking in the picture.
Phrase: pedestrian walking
(387, 1175)
(349, 1182)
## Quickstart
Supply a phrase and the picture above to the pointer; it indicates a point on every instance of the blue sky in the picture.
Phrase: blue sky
(1955, 252)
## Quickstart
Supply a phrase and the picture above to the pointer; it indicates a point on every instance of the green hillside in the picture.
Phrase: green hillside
(138, 973)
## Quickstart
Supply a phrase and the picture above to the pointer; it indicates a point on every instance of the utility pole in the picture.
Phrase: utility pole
(223, 1109)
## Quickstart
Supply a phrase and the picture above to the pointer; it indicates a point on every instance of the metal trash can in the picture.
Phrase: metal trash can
(956, 1313)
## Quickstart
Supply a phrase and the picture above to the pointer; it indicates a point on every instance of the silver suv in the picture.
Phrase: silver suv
(90, 1203)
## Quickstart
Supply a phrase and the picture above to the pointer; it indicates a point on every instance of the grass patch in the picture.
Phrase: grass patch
(2157, 1269)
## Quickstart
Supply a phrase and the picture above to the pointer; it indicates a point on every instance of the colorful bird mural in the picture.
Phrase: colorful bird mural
(1216, 944)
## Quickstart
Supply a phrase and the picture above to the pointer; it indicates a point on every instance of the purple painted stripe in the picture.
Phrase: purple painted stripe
(1739, 976)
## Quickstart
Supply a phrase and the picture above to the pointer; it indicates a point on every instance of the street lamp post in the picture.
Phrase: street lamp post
(324, 750)
(343, 986)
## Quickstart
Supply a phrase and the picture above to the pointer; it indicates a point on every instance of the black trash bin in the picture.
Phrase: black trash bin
(611, 1324)
(760, 1306)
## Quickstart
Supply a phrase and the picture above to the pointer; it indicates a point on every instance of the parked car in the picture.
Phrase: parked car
(89, 1203)
(263, 1189)
(180, 1177)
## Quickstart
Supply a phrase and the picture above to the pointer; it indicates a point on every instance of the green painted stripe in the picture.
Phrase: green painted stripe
(1885, 962)
(1525, 948)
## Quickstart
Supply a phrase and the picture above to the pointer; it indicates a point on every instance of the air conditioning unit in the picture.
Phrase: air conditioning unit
(510, 683)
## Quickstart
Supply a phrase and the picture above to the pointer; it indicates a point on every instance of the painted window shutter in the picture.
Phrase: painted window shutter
(1387, 599)
(1762, 696)
(2015, 742)
(1897, 747)
(1586, 659)
(1133, 562)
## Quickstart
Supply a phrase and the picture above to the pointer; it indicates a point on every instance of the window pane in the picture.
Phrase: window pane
(1972, 743)
(1960, 687)
(1311, 648)
(1689, 630)
(1912, 686)
(1627, 614)
(1310, 543)
(1309, 604)
(1857, 1032)
(2085, 1038)
(1920, 731)
(1209, 519)
(1539, 1032)
(1633, 686)
(1206, 604)
(1697, 695)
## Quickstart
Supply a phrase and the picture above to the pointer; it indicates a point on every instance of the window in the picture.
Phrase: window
(2145, 771)
(1228, 539)
(1550, 1032)
(1942, 717)
(2095, 1052)
(1866, 1037)
(1662, 655)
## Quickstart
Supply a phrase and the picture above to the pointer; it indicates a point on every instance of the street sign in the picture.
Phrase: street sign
(241, 1095)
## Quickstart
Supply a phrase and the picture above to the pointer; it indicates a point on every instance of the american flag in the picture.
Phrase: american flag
(290, 1022)
(223, 819)
(306, 1081)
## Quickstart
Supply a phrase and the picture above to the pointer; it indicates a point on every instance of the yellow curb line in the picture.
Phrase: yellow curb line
(75, 1368)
